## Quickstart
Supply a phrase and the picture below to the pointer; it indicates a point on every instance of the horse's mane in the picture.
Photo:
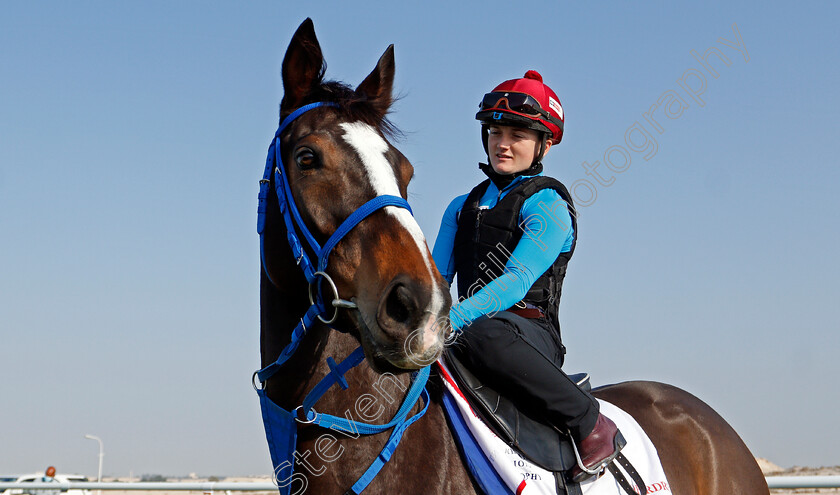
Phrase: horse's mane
(355, 106)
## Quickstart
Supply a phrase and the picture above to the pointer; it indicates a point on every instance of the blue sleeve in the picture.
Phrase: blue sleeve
(445, 242)
(547, 232)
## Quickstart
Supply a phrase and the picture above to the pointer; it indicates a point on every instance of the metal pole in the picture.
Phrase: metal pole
(803, 481)
(101, 455)
(204, 486)
(214, 486)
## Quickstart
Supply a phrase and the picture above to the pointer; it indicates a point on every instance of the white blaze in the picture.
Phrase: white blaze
(371, 148)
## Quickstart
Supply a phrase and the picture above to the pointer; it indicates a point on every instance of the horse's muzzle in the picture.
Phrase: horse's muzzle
(412, 313)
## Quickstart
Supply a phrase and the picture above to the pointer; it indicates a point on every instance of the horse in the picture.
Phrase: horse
(338, 158)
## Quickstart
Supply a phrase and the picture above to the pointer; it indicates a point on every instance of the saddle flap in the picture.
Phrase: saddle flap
(534, 439)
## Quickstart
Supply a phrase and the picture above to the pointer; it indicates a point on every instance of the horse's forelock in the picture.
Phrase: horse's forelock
(355, 107)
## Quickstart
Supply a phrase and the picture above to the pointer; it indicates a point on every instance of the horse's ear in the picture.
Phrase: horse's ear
(377, 86)
(303, 67)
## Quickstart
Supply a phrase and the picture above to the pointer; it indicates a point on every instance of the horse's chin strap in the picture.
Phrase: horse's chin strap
(294, 223)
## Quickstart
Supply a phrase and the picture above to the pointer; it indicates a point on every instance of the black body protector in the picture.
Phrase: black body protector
(486, 238)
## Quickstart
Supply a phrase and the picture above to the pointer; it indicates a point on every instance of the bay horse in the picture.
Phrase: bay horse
(338, 158)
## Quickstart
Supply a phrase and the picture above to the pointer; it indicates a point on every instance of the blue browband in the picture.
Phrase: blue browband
(280, 424)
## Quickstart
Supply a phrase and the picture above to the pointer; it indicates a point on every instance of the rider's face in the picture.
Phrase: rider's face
(512, 149)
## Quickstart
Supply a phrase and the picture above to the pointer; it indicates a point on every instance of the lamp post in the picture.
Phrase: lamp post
(101, 455)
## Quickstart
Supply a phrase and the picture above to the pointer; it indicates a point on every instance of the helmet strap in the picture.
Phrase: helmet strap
(541, 153)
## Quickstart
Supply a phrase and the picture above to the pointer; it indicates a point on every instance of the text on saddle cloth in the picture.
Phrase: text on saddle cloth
(519, 476)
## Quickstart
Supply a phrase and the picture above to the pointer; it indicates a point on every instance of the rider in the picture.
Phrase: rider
(509, 241)
(48, 477)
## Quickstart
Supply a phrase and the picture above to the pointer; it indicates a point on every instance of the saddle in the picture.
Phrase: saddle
(532, 437)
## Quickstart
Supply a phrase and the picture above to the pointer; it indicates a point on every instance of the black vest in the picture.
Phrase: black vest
(486, 238)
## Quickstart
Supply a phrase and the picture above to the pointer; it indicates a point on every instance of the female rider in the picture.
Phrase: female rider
(509, 241)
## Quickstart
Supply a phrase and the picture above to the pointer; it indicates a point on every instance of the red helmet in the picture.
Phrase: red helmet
(525, 102)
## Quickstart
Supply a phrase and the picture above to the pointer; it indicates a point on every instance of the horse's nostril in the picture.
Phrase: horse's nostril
(400, 305)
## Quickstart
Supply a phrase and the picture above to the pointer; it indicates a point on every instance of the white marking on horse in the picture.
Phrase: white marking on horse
(371, 148)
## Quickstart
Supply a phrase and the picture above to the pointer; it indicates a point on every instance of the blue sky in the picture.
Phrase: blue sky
(132, 137)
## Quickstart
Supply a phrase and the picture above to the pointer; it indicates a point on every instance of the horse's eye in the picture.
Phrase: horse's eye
(306, 159)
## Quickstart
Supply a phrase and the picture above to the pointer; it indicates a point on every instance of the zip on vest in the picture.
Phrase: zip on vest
(476, 235)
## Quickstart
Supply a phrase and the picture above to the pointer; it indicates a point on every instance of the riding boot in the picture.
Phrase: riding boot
(598, 449)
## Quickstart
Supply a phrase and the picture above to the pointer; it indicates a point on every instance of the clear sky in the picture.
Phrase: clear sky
(132, 136)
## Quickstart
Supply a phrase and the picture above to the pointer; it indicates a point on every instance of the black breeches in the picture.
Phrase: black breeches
(521, 358)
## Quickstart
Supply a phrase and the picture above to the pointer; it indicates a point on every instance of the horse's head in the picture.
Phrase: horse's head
(336, 159)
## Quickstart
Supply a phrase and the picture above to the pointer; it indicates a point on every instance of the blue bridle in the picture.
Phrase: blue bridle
(281, 424)
(291, 215)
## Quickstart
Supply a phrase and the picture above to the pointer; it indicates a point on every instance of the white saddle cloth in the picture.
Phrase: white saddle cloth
(525, 478)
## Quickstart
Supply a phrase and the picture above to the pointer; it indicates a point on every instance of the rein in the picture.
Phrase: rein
(281, 424)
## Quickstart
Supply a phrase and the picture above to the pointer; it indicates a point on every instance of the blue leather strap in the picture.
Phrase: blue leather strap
(274, 165)
(390, 446)
(300, 111)
(281, 432)
(399, 423)
(336, 375)
(418, 387)
(297, 335)
(357, 216)
(284, 195)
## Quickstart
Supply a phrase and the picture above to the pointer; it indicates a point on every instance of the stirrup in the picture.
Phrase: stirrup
(587, 473)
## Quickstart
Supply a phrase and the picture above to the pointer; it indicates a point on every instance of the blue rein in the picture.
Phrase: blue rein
(281, 424)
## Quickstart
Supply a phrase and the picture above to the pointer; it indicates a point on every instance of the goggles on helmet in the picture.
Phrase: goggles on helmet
(521, 103)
